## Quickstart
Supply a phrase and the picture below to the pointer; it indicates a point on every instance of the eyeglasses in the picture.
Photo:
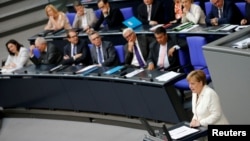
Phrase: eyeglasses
(129, 35)
(216, 2)
(73, 36)
(97, 37)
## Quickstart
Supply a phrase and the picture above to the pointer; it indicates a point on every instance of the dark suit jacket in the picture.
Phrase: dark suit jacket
(247, 9)
(174, 60)
(157, 12)
(109, 53)
(52, 56)
(231, 14)
(82, 47)
(144, 43)
(114, 19)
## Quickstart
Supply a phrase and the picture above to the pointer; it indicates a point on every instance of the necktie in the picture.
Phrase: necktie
(137, 54)
(99, 55)
(149, 12)
(220, 13)
(74, 50)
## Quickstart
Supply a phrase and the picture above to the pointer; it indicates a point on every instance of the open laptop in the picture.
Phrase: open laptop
(132, 22)
(166, 133)
(163, 134)
(148, 127)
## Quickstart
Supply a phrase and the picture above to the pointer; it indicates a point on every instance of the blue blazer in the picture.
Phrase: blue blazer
(231, 14)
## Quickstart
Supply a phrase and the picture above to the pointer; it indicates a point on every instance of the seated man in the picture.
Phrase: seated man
(49, 53)
(85, 18)
(112, 17)
(151, 12)
(223, 12)
(76, 51)
(103, 53)
(163, 52)
(137, 48)
(246, 19)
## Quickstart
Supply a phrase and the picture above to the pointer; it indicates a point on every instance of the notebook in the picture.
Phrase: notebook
(132, 22)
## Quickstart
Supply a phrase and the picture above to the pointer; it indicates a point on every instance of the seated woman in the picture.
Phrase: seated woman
(18, 56)
(57, 19)
(177, 8)
(192, 13)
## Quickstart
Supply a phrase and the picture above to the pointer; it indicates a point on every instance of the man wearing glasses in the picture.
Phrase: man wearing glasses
(76, 51)
(103, 53)
(223, 12)
(137, 48)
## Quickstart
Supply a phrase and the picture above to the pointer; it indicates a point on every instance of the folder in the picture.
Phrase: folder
(113, 70)
(132, 22)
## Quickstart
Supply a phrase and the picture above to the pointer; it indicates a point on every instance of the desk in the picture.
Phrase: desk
(115, 35)
(201, 133)
(99, 94)
(229, 69)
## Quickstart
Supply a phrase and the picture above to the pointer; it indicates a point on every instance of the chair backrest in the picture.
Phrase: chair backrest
(208, 7)
(195, 45)
(184, 60)
(241, 6)
(98, 13)
(197, 2)
(127, 12)
(71, 17)
(120, 52)
(36, 52)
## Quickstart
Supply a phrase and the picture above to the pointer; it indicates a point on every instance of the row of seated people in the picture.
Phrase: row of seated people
(150, 12)
(140, 51)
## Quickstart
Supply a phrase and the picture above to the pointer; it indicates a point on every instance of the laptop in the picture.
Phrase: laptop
(163, 135)
(132, 22)
(148, 127)
(166, 132)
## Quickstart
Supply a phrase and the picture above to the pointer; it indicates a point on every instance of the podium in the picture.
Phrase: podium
(201, 133)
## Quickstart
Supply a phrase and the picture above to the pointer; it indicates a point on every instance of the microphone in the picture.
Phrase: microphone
(123, 73)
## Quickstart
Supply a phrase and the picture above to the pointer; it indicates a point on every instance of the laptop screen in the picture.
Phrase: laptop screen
(147, 126)
(165, 130)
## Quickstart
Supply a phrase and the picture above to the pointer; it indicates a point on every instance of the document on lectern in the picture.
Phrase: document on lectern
(181, 132)
(167, 76)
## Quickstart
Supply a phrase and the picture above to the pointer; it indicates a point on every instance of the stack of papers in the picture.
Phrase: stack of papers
(133, 73)
(182, 132)
(167, 76)
(242, 44)
(87, 70)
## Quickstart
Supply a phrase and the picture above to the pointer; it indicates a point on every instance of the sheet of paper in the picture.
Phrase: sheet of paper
(86, 68)
(182, 132)
(133, 73)
(167, 76)
(242, 44)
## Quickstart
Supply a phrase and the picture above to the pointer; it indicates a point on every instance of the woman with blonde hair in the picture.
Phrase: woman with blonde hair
(206, 105)
(57, 19)
(192, 13)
